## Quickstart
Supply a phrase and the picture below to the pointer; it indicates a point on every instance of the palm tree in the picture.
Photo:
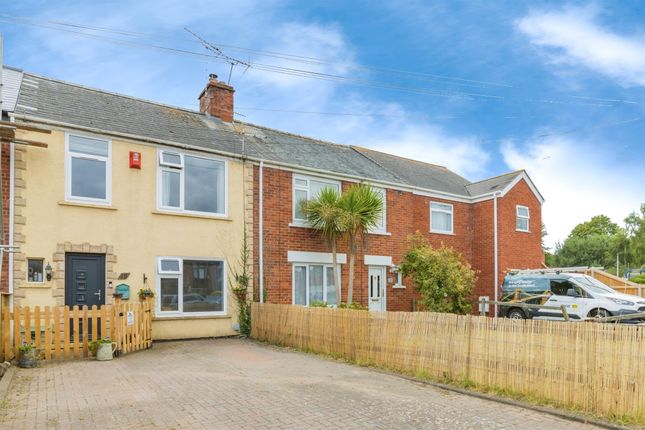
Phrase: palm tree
(362, 207)
(325, 214)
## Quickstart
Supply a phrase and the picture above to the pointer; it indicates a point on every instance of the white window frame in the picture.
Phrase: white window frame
(307, 188)
(527, 218)
(452, 217)
(381, 229)
(307, 265)
(68, 171)
(180, 288)
(180, 168)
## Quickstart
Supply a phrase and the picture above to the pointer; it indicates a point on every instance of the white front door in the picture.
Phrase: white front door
(376, 288)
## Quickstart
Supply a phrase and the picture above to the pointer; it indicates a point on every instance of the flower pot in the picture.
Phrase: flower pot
(105, 351)
(27, 359)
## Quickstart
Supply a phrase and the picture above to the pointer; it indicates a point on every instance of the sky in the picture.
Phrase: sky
(555, 88)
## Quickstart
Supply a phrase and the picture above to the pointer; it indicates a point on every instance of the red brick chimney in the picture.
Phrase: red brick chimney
(217, 99)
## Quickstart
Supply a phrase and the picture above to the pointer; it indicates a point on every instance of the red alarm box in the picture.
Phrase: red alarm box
(135, 160)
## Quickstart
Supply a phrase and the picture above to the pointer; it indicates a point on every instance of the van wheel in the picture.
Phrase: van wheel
(599, 313)
(516, 314)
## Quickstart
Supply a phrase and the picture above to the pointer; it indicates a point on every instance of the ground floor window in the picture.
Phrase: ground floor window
(191, 286)
(313, 283)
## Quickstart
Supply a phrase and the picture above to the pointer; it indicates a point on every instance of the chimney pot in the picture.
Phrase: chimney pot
(217, 99)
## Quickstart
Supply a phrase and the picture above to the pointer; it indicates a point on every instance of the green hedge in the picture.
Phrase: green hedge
(639, 279)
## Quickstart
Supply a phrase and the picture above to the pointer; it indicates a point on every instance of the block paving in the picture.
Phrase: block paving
(240, 384)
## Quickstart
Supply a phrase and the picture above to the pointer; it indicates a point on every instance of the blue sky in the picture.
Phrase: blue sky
(556, 88)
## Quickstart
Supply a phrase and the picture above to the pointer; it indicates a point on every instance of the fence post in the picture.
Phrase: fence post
(565, 314)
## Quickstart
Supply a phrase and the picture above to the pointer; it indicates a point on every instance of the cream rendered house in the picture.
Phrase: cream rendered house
(128, 192)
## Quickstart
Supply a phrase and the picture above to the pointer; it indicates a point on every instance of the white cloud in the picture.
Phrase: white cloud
(577, 183)
(178, 80)
(573, 36)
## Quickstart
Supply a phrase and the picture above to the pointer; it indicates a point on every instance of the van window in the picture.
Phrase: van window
(560, 288)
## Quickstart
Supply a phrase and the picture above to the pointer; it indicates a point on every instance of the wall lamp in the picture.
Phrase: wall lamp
(48, 271)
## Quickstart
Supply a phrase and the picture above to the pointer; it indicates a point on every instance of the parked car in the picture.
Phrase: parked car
(583, 296)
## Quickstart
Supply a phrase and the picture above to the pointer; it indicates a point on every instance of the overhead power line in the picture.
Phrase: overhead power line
(298, 72)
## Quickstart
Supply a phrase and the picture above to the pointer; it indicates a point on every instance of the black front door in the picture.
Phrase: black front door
(84, 279)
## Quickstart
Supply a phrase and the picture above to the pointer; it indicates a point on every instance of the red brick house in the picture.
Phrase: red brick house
(495, 224)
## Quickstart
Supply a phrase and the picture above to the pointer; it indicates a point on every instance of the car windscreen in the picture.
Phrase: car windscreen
(594, 285)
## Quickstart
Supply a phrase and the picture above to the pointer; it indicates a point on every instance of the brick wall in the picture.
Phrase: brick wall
(407, 213)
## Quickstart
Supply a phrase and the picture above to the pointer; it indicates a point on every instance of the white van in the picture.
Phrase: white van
(583, 296)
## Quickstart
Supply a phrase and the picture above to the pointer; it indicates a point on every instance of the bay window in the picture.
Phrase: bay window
(191, 287)
(190, 183)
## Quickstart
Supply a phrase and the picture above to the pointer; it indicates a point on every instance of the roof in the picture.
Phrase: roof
(418, 173)
(497, 183)
(45, 99)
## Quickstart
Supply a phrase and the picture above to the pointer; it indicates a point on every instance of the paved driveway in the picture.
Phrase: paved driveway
(230, 383)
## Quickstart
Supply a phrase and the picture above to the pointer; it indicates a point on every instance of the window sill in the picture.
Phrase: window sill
(446, 233)
(522, 231)
(189, 317)
(190, 215)
(398, 287)
(28, 284)
(87, 205)
(380, 233)
(299, 225)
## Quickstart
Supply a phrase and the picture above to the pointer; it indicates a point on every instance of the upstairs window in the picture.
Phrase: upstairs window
(522, 219)
(381, 223)
(305, 188)
(88, 169)
(441, 218)
(191, 184)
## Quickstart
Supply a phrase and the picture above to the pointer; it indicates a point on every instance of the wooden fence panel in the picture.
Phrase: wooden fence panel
(61, 332)
(593, 367)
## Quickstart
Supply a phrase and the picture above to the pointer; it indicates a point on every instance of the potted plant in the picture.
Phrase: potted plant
(144, 293)
(27, 355)
(103, 349)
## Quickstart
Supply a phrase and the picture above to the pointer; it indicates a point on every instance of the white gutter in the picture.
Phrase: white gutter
(495, 251)
(261, 232)
(11, 218)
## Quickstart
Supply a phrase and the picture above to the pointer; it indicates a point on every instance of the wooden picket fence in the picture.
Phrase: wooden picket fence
(598, 368)
(61, 332)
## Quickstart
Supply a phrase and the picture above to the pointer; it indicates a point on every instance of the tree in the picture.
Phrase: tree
(599, 225)
(592, 250)
(591, 243)
(362, 206)
(443, 279)
(635, 232)
(325, 214)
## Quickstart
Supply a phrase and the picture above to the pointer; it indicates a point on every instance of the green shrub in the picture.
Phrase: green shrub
(318, 304)
(26, 347)
(353, 305)
(440, 275)
(639, 279)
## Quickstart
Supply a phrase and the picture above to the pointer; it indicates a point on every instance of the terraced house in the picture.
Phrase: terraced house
(107, 189)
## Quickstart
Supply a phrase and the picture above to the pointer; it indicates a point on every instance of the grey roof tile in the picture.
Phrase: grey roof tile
(497, 183)
(73, 104)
